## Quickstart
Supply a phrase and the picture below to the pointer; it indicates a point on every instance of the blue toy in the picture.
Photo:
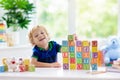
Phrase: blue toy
(112, 50)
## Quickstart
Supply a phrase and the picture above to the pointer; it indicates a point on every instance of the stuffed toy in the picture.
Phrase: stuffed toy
(11, 64)
(112, 50)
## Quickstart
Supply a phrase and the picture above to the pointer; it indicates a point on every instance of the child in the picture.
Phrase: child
(44, 51)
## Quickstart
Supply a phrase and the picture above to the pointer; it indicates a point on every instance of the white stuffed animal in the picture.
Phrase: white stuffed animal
(12, 64)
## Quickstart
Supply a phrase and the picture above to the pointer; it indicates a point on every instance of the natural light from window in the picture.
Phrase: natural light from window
(94, 18)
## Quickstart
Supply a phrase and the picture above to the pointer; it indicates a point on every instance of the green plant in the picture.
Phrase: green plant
(17, 13)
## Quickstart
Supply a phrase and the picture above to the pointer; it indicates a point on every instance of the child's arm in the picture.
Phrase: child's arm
(42, 64)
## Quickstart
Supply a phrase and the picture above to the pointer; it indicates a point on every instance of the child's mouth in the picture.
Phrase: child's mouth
(41, 39)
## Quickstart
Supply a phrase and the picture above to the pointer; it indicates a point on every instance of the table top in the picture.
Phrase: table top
(58, 74)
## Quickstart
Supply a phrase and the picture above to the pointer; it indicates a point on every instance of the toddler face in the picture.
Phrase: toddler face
(40, 37)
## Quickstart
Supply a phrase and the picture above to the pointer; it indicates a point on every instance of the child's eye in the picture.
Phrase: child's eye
(36, 35)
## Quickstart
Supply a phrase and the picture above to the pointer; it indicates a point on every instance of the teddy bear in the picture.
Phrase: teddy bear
(111, 51)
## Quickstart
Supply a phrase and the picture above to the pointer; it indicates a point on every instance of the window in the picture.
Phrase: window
(96, 18)
(53, 15)
(93, 18)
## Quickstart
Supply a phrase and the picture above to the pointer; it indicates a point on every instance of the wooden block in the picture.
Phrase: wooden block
(86, 60)
(79, 54)
(72, 55)
(94, 61)
(94, 67)
(85, 43)
(94, 55)
(65, 49)
(65, 54)
(71, 37)
(79, 66)
(65, 43)
(94, 49)
(1, 68)
(65, 66)
(78, 43)
(71, 43)
(94, 43)
(71, 48)
(72, 60)
(78, 49)
(72, 66)
(85, 49)
(65, 60)
(85, 55)
(86, 66)
(79, 60)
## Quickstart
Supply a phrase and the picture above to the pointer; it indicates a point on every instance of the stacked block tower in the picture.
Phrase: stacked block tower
(86, 55)
(71, 47)
(2, 31)
(94, 58)
(65, 55)
(80, 55)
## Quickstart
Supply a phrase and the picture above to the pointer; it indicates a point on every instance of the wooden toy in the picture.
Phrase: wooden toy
(65, 49)
(5, 64)
(26, 62)
(81, 54)
(78, 43)
(12, 65)
(64, 43)
(65, 66)
(94, 64)
(31, 68)
(9, 64)
(100, 59)
(71, 37)
(5, 68)
(1, 68)
(21, 65)
(72, 66)
(21, 68)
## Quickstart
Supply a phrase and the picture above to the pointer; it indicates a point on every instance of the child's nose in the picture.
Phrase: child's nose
(40, 35)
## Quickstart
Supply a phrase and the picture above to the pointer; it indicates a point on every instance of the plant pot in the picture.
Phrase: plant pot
(12, 38)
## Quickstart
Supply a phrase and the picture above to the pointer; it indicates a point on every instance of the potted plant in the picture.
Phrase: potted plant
(16, 17)
(17, 13)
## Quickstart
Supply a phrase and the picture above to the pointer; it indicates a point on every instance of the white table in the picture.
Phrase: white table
(58, 74)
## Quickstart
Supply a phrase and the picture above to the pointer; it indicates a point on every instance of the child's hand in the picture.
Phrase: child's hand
(55, 65)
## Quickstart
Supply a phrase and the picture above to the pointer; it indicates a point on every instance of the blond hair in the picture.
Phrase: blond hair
(34, 29)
